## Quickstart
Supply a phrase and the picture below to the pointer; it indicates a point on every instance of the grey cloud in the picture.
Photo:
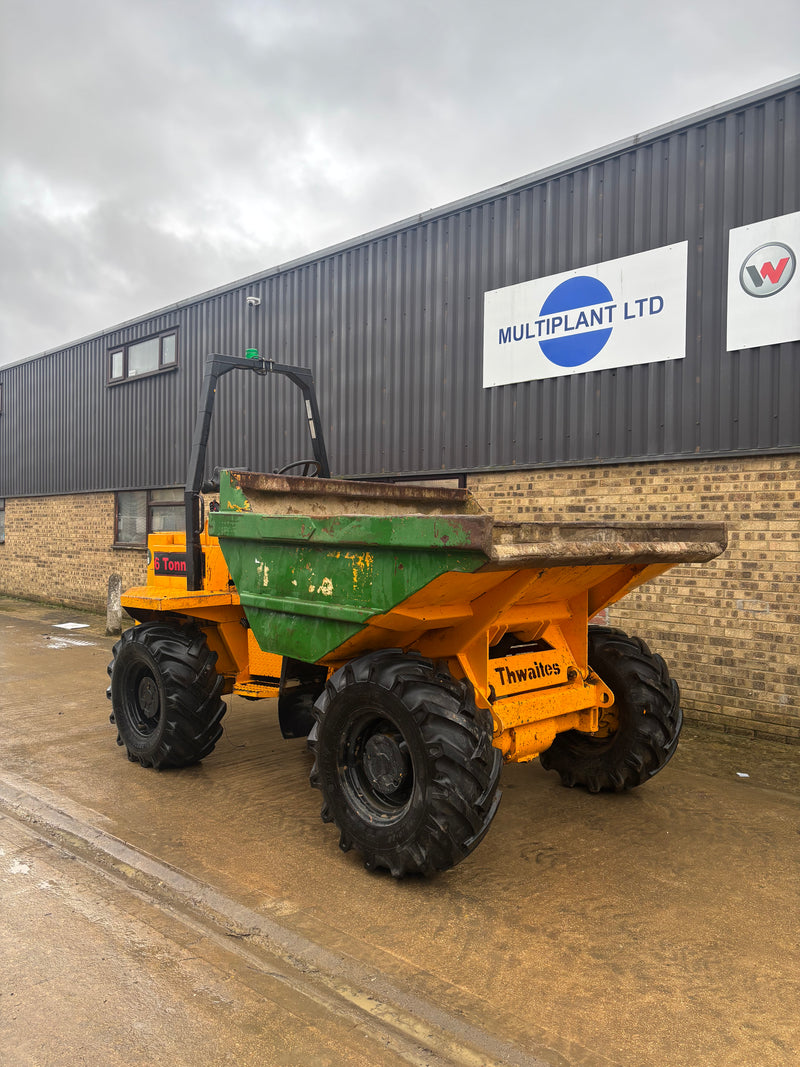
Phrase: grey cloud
(156, 149)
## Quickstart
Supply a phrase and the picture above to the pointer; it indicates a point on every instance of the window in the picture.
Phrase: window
(165, 510)
(143, 357)
(2, 521)
(140, 512)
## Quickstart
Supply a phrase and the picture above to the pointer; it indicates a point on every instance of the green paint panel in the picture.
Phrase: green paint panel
(308, 584)
(232, 499)
(432, 532)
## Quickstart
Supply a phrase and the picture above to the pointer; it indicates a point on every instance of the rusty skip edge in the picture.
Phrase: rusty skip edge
(389, 492)
(584, 544)
(523, 556)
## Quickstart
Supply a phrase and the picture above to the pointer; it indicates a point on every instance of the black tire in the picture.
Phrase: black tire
(165, 693)
(405, 763)
(648, 713)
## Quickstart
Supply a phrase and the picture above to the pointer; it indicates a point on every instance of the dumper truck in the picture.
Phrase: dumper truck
(417, 642)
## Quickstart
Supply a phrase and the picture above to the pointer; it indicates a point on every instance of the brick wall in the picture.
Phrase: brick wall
(728, 629)
(60, 549)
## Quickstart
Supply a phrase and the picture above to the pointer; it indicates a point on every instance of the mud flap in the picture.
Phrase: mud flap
(301, 684)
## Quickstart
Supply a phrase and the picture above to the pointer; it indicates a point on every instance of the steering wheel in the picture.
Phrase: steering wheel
(311, 468)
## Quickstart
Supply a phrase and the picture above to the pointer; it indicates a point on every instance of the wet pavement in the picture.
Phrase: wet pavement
(207, 916)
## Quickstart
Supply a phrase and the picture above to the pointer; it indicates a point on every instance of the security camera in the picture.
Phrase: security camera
(253, 301)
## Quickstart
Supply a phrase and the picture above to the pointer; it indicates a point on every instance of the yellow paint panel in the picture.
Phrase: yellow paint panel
(262, 664)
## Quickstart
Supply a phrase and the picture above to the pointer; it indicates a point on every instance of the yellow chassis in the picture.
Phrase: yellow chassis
(457, 618)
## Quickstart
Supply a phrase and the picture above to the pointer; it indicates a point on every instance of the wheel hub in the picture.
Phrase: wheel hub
(384, 764)
(148, 697)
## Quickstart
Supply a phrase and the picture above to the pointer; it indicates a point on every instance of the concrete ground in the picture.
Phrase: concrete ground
(206, 916)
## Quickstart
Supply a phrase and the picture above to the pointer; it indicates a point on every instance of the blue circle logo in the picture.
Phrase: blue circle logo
(576, 294)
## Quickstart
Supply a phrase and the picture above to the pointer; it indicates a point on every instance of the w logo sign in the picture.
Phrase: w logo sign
(767, 270)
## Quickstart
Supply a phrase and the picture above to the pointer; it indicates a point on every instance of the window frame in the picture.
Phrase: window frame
(150, 506)
(124, 348)
(2, 520)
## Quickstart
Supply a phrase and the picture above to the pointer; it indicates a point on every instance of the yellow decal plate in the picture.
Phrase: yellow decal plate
(515, 675)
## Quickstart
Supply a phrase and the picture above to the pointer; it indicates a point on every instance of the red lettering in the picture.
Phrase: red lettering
(166, 565)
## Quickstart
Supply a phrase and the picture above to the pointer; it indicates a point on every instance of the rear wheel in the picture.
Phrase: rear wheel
(165, 693)
(641, 734)
(405, 763)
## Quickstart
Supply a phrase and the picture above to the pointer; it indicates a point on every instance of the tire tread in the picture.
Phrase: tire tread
(650, 719)
(194, 710)
(465, 767)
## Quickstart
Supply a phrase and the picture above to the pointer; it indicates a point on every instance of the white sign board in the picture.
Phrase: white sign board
(616, 314)
(764, 283)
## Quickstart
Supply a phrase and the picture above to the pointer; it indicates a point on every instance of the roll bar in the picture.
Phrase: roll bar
(218, 364)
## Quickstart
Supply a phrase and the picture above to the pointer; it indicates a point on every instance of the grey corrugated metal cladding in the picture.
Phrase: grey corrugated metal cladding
(392, 325)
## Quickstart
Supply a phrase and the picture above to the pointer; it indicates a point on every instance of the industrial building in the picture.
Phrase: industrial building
(614, 337)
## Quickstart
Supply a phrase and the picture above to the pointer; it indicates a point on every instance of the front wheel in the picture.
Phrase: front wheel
(165, 695)
(405, 763)
(642, 731)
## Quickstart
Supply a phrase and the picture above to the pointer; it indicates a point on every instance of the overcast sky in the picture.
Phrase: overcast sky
(153, 149)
